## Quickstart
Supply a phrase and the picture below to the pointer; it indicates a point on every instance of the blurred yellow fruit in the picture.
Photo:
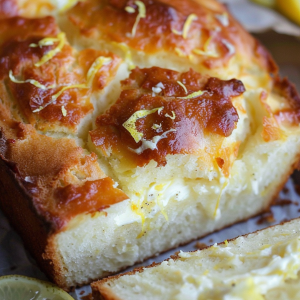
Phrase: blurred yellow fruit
(269, 3)
(17, 287)
(290, 8)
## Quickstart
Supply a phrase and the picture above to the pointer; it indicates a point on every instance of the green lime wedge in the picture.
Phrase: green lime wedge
(17, 287)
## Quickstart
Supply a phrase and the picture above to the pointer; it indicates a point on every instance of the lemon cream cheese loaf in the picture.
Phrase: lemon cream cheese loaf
(131, 127)
(261, 265)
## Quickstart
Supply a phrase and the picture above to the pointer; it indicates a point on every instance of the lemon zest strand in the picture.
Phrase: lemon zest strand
(176, 31)
(77, 86)
(63, 111)
(171, 117)
(32, 81)
(187, 24)
(48, 41)
(179, 52)
(55, 96)
(130, 9)
(49, 55)
(156, 126)
(193, 95)
(130, 123)
(95, 67)
(183, 86)
(141, 14)
(206, 51)
(127, 52)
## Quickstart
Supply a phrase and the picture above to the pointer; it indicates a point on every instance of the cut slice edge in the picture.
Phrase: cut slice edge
(274, 246)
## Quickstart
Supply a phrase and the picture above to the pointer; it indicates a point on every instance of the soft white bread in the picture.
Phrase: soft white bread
(129, 128)
(260, 265)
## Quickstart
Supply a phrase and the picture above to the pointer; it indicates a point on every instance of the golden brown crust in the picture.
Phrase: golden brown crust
(265, 58)
(17, 206)
(291, 114)
(65, 98)
(50, 178)
(183, 125)
(20, 28)
(167, 26)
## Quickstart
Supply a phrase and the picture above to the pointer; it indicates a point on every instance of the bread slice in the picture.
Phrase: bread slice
(123, 139)
(261, 265)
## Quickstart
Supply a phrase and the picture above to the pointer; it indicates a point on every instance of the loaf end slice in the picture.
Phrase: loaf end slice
(261, 265)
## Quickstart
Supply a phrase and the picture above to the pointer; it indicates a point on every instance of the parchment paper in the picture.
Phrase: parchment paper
(14, 259)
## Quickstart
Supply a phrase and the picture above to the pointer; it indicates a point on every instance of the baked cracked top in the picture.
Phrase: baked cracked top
(163, 112)
(107, 92)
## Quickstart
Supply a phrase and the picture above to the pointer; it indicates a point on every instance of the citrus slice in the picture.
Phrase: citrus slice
(290, 8)
(17, 287)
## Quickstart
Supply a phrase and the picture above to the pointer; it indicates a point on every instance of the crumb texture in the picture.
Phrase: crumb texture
(137, 126)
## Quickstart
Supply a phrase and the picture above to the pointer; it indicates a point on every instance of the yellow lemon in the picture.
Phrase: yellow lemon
(17, 287)
(269, 3)
(290, 8)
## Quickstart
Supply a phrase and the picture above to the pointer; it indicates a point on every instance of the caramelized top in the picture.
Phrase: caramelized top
(61, 179)
(58, 94)
(164, 112)
(201, 30)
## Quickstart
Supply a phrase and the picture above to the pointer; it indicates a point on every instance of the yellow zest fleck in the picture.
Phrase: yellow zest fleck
(159, 187)
(95, 67)
(127, 52)
(74, 86)
(130, 123)
(176, 31)
(193, 95)
(55, 96)
(62, 39)
(206, 51)
(63, 111)
(219, 198)
(141, 14)
(192, 58)
(130, 9)
(32, 81)
(160, 205)
(226, 243)
(48, 41)
(183, 86)
(265, 246)
(187, 24)
(136, 209)
(171, 117)
(179, 52)
(156, 126)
